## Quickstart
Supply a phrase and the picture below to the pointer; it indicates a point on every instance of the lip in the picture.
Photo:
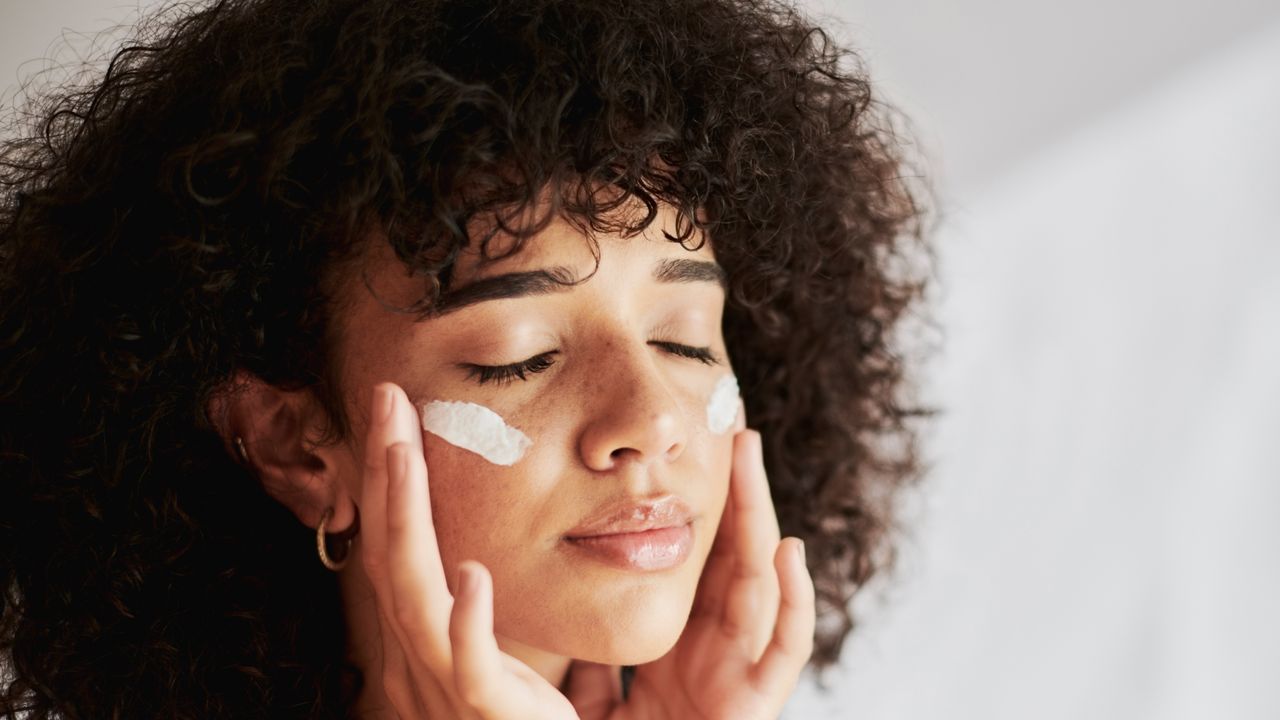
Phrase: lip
(633, 516)
(629, 535)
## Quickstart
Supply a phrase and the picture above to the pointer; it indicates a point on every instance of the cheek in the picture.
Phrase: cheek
(721, 464)
(473, 508)
(506, 518)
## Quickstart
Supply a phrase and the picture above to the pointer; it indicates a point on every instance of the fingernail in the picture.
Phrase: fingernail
(800, 551)
(384, 401)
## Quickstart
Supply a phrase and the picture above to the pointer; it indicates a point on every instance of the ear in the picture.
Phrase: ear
(279, 429)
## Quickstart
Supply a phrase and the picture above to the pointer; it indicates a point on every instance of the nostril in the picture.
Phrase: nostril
(648, 427)
(624, 453)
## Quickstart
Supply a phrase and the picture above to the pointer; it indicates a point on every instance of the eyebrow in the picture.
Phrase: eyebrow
(555, 279)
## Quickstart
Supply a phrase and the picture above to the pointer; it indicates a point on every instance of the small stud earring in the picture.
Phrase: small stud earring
(240, 451)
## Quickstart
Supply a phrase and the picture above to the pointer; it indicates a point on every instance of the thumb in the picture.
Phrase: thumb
(593, 689)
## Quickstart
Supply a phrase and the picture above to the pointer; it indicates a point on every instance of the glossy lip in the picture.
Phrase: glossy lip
(632, 535)
(631, 516)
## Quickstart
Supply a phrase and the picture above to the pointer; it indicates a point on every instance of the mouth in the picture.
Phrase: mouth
(644, 536)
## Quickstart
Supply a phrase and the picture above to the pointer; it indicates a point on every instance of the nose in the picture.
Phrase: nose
(634, 416)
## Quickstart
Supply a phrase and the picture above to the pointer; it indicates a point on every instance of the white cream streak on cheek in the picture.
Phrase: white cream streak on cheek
(722, 408)
(476, 428)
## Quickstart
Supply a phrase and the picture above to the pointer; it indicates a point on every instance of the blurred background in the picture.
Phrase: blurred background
(1098, 537)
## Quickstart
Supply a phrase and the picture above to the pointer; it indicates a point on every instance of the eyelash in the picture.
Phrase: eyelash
(503, 374)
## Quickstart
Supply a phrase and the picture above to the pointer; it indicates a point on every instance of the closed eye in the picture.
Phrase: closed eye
(504, 374)
(702, 354)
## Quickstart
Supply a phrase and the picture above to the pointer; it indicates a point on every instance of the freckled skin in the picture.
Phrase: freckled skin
(615, 416)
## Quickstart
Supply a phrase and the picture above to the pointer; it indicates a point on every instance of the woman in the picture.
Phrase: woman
(382, 358)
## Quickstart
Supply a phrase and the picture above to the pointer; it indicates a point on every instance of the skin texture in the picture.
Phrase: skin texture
(618, 416)
(613, 417)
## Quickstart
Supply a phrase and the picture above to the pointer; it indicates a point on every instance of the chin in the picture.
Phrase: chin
(631, 629)
(632, 638)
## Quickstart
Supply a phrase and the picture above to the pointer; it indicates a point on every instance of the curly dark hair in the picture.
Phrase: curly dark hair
(186, 215)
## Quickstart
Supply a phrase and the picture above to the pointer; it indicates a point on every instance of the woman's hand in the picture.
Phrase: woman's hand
(751, 629)
(439, 651)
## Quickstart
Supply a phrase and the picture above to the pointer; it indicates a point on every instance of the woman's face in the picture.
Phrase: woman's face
(616, 418)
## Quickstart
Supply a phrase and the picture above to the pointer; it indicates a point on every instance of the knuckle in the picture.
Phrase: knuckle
(474, 689)
(406, 615)
(473, 694)
(799, 644)
(397, 692)
(375, 462)
(391, 684)
(751, 575)
(456, 640)
(731, 626)
(374, 566)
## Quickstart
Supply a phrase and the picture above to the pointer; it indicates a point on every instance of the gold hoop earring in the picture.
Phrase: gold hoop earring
(337, 559)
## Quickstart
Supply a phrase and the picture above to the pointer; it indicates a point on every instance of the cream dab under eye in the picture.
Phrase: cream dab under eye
(476, 428)
(722, 408)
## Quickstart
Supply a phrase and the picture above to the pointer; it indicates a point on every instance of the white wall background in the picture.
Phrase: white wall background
(1099, 538)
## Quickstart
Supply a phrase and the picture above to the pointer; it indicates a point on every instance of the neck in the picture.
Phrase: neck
(365, 650)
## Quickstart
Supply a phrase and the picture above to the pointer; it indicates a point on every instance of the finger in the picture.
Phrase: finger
(752, 594)
(776, 673)
(384, 431)
(373, 547)
(388, 426)
(373, 492)
(478, 672)
(755, 520)
(403, 690)
(420, 598)
(709, 600)
(373, 500)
